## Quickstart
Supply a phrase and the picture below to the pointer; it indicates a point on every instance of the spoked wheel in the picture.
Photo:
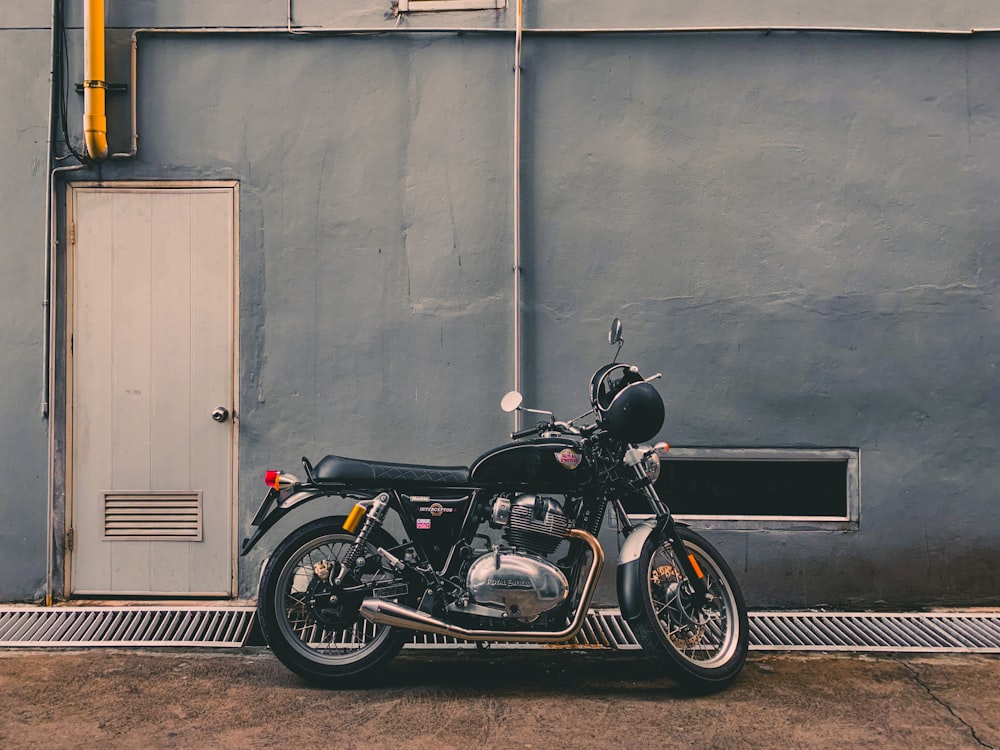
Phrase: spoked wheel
(702, 648)
(312, 625)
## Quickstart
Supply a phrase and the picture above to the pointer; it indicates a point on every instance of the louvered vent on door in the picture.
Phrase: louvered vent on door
(152, 516)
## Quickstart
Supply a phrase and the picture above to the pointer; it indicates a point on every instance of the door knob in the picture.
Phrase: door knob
(221, 414)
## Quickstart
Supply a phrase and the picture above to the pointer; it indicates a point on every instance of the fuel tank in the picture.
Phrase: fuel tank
(543, 464)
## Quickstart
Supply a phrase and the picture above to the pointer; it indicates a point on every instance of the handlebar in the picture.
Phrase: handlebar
(564, 428)
(537, 429)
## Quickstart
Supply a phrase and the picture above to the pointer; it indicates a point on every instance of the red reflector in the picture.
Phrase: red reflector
(271, 478)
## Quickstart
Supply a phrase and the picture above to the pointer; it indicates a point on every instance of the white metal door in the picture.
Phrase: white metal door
(152, 345)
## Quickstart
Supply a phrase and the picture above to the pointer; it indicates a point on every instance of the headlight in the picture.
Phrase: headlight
(651, 463)
(651, 456)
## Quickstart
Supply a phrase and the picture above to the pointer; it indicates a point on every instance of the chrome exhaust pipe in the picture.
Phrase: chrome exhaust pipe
(396, 615)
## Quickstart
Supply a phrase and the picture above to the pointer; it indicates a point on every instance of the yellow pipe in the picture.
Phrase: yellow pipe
(95, 121)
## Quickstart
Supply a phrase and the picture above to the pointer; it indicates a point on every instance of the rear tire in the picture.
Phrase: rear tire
(702, 650)
(314, 629)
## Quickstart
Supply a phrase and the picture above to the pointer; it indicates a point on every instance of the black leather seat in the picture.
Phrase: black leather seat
(339, 469)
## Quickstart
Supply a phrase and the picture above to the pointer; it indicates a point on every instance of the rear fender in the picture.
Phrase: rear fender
(278, 504)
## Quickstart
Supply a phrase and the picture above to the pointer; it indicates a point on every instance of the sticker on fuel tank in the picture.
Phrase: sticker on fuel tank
(569, 458)
(423, 523)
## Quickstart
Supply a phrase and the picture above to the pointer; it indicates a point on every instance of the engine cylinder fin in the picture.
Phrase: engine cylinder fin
(539, 533)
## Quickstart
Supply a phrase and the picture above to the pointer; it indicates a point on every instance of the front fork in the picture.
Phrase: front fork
(700, 595)
(665, 527)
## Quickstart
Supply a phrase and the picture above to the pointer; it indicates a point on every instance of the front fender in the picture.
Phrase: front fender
(632, 548)
(630, 579)
(278, 504)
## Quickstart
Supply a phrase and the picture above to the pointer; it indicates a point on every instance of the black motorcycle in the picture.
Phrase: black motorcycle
(340, 596)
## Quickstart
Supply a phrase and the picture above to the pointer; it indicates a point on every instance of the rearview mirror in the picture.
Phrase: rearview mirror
(615, 334)
(511, 401)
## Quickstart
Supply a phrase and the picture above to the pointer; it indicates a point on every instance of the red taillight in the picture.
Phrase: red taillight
(279, 480)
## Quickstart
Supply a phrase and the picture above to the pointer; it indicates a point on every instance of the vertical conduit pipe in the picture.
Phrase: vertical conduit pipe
(49, 310)
(47, 270)
(517, 207)
(133, 101)
(95, 121)
(46, 304)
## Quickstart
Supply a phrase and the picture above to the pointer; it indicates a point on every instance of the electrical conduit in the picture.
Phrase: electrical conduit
(517, 207)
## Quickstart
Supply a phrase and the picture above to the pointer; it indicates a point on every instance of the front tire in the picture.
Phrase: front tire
(311, 626)
(702, 649)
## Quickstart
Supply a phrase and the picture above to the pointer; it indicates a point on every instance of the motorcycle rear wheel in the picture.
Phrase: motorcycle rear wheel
(314, 629)
(702, 649)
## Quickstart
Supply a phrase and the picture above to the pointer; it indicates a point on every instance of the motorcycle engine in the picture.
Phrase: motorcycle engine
(530, 522)
(519, 585)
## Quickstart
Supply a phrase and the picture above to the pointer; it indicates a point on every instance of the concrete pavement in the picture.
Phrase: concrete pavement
(552, 699)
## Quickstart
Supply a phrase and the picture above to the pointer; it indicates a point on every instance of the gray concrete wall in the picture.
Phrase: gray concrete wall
(23, 459)
(795, 228)
(799, 231)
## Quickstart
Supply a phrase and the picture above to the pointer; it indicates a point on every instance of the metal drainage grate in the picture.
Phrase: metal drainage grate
(124, 626)
(957, 632)
(926, 632)
(804, 631)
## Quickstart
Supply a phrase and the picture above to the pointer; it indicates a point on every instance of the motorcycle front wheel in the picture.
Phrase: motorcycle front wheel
(314, 627)
(704, 648)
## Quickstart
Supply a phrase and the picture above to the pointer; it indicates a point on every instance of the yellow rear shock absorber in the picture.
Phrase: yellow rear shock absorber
(372, 519)
(354, 519)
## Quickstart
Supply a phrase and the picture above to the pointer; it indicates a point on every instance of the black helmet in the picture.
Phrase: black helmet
(627, 407)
